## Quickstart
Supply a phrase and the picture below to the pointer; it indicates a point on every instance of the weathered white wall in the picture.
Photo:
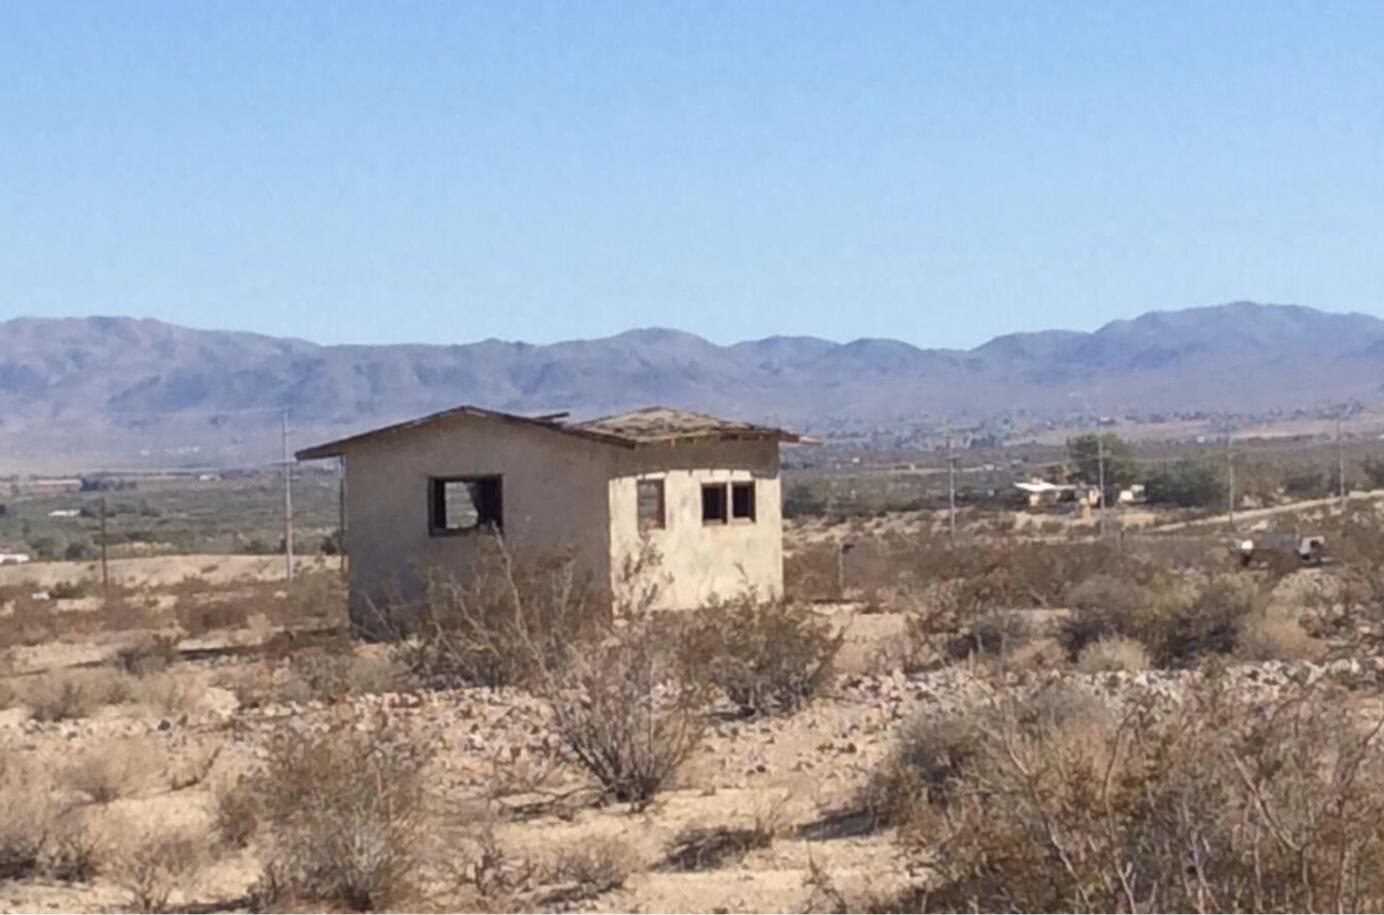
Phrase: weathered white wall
(554, 490)
(701, 562)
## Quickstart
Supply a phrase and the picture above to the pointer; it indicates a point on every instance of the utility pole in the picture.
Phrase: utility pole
(1100, 472)
(951, 481)
(1230, 477)
(1341, 460)
(341, 513)
(288, 503)
(105, 567)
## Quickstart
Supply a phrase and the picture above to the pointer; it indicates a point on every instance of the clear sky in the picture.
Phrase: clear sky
(442, 172)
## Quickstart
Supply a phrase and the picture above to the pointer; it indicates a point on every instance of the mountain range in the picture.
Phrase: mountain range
(131, 390)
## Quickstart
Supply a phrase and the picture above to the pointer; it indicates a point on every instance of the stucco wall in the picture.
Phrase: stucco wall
(554, 491)
(701, 562)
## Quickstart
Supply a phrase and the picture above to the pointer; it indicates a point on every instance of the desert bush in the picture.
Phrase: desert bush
(700, 848)
(496, 627)
(73, 694)
(236, 812)
(993, 632)
(1213, 805)
(148, 655)
(811, 573)
(1112, 653)
(922, 767)
(588, 870)
(1274, 634)
(116, 768)
(155, 867)
(71, 590)
(1178, 621)
(766, 657)
(624, 712)
(198, 617)
(345, 810)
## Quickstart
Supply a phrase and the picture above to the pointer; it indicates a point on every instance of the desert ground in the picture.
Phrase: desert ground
(172, 744)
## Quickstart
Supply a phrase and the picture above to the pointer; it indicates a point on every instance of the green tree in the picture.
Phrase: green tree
(1084, 454)
(1190, 483)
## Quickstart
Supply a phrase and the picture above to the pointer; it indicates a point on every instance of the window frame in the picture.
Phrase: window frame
(437, 506)
(744, 485)
(661, 522)
(724, 489)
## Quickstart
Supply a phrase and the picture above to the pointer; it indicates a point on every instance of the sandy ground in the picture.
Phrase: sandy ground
(153, 571)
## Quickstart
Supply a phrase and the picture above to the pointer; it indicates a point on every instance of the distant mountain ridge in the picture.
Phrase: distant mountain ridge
(121, 386)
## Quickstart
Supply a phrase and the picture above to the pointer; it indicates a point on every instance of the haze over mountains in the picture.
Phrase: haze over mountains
(124, 389)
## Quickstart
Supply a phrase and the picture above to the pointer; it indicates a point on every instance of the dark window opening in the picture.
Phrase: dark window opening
(714, 504)
(460, 504)
(650, 499)
(742, 501)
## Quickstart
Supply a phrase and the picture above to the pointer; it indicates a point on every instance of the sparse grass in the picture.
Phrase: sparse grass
(1274, 634)
(1113, 653)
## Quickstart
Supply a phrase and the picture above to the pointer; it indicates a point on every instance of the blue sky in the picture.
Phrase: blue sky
(444, 172)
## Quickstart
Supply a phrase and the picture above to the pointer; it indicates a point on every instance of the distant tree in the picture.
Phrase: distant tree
(1189, 483)
(78, 550)
(1307, 482)
(1120, 468)
(1374, 471)
(801, 500)
(4, 510)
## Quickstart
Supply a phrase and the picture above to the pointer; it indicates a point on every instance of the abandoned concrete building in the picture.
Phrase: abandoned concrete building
(702, 491)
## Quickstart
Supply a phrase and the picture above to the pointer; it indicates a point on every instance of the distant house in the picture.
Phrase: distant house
(12, 557)
(702, 491)
(1041, 493)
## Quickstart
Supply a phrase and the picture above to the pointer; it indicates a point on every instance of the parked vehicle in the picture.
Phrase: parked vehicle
(1310, 549)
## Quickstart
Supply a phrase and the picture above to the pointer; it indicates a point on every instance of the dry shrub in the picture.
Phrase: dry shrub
(236, 812)
(766, 657)
(501, 623)
(587, 870)
(336, 672)
(117, 768)
(922, 768)
(39, 837)
(72, 694)
(700, 848)
(197, 617)
(1275, 635)
(1215, 804)
(149, 655)
(810, 573)
(1179, 621)
(168, 694)
(1112, 653)
(345, 809)
(624, 713)
(158, 866)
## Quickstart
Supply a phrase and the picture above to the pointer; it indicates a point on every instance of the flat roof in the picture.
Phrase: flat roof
(644, 427)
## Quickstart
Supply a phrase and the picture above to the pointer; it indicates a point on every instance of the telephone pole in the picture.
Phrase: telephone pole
(1100, 473)
(288, 503)
(1341, 460)
(105, 567)
(1230, 478)
(951, 481)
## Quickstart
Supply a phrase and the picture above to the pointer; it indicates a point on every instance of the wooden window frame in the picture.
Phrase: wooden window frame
(744, 485)
(437, 506)
(725, 505)
(661, 523)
